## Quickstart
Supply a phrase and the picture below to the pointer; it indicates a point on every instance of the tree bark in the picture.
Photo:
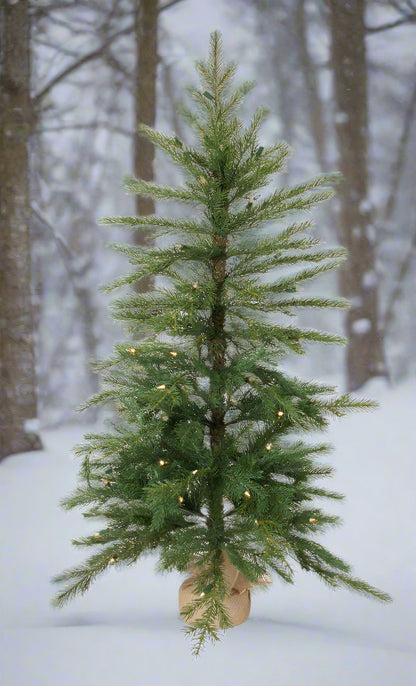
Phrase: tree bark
(18, 400)
(357, 280)
(146, 22)
(217, 355)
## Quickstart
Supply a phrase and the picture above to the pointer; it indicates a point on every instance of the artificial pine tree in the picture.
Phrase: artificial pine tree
(204, 458)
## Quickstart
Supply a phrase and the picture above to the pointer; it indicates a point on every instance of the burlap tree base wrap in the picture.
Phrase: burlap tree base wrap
(237, 602)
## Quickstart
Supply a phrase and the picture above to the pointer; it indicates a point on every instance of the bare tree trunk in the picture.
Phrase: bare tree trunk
(315, 109)
(18, 401)
(145, 106)
(358, 281)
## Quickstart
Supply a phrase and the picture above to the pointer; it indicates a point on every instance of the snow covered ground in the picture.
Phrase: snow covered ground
(126, 630)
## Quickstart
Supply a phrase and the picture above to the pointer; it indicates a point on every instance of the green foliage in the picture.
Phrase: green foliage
(202, 456)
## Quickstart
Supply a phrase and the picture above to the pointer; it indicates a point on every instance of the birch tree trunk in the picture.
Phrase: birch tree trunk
(358, 280)
(18, 401)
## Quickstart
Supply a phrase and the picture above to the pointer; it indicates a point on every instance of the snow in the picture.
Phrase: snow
(369, 279)
(356, 301)
(31, 425)
(341, 117)
(126, 630)
(365, 206)
(361, 326)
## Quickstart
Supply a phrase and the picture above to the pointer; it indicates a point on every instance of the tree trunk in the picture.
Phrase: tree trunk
(315, 111)
(358, 280)
(18, 401)
(217, 348)
(145, 108)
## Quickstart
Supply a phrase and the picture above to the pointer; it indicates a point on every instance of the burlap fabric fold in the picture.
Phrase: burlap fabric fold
(237, 601)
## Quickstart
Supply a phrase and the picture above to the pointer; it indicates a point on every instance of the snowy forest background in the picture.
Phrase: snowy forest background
(76, 78)
(339, 79)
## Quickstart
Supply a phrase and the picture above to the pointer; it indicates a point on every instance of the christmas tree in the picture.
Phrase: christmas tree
(204, 458)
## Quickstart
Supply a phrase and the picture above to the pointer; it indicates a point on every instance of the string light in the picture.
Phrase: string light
(162, 387)
(105, 482)
(173, 353)
(256, 521)
(280, 413)
(131, 350)
(269, 446)
(247, 494)
(312, 520)
(162, 463)
(97, 535)
(195, 286)
(112, 559)
(180, 498)
(202, 595)
(202, 180)
(195, 471)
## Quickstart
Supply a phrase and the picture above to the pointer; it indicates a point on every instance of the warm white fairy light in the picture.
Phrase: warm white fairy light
(97, 535)
(195, 471)
(112, 560)
(247, 494)
(280, 413)
(269, 446)
(162, 463)
(180, 498)
(162, 387)
(313, 520)
(173, 353)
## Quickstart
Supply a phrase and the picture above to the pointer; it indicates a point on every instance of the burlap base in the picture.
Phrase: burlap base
(237, 601)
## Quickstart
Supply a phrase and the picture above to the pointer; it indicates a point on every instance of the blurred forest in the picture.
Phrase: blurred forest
(76, 78)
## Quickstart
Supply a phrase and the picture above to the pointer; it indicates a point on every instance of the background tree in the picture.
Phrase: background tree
(146, 28)
(58, 225)
(358, 280)
(119, 72)
(84, 99)
(318, 120)
(18, 394)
